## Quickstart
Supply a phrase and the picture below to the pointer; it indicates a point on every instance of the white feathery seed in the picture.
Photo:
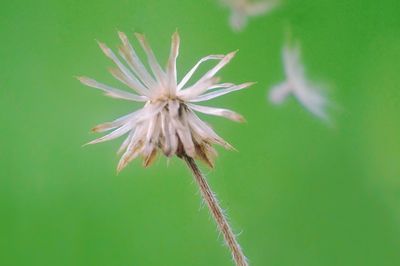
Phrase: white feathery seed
(241, 10)
(309, 96)
(168, 121)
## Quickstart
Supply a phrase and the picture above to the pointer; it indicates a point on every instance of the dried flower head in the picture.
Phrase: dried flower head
(167, 122)
(241, 10)
(296, 84)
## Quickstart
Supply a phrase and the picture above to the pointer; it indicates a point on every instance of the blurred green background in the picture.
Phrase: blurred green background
(300, 192)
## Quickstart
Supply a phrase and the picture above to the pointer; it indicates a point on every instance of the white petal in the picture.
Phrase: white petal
(133, 82)
(113, 135)
(126, 142)
(132, 151)
(150, 129)
(173, 108)
(118, 75)
(191, 72)
(151, 110)
(165, 138)
(218, 93)
(152, 135)
(186, 135)
(217, 112)
(205, 131)
(126, 158)
(179, 120)
(171, 66)
(221, 85)
(116, 123)
(112, 92)
(193, 91)
(197, 89)
(173, 139)
(155, 66)
(211, 73)
(134, 62)
(186, 138)
(134, 118)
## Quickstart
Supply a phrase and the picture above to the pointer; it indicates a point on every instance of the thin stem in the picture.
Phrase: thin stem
(217, 213)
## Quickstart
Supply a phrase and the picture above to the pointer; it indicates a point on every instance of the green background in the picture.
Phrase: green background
(300, 192)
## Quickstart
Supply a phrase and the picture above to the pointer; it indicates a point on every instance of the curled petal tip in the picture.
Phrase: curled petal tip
(231, 55)
(86, 81)
(235, 117)
(240, 119)
(104, 48)
(121, 165)
(86, 144)
(149, 160)
(98, 128)
(234, 53)
(80, 78)
(248, 84)
(122, 35)
(118, 170)
(228, 146)
(176, 34)
(100, 43)
(139, 36)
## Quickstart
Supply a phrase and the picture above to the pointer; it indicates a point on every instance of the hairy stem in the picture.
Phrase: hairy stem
(217, 213)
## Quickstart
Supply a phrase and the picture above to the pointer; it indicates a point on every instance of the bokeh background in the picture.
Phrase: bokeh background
(298, 191)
